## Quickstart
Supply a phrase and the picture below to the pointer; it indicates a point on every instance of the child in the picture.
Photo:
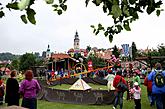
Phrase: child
(136, 91)
(110, 77)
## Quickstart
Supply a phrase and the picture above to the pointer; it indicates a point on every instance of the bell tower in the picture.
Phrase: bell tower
(48, 54)
(76, 42)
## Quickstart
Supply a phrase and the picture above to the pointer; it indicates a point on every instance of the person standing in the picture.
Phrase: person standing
(136, 77)
(157, 77)
(110, 77)
(2, 87)
(118, 91)
(136, 91)
(148, 84)
(29, 89)
(12, 90)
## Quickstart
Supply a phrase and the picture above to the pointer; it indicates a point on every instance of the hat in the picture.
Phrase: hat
(136, 84)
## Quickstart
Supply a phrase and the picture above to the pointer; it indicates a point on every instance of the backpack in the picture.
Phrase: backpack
(121, 86)
(159, 79)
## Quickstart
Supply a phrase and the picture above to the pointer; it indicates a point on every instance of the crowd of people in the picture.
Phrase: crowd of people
(120, 80)
(154, 81)
(27, 89)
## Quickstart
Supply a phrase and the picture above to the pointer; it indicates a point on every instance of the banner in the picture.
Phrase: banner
(125, 49)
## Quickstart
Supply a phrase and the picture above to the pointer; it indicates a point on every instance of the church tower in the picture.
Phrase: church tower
(48, 54)
(76, 42)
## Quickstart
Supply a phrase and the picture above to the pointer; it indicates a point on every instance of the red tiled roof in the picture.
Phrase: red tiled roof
(71, 50)
(3, 68)
(60, 56)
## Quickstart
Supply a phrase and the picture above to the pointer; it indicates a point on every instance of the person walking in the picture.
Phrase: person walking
(148, 84)
(118, 91)
(29, 89)
(157, 77)
(136, 91)
(12, 90)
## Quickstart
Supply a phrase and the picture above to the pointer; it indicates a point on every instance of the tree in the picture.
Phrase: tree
(15, 64)
(97, 62)
(115, 51)
(88, 49)
(161, 49)
(123, 12)
(8, 56)
(27, 61)
(134, 51)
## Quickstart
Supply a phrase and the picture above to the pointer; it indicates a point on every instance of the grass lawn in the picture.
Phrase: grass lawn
(42, 104)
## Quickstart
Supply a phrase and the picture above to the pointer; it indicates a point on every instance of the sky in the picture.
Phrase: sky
(58, 31)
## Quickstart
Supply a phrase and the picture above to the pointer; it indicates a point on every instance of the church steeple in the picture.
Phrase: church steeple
(76, 41)
(48, 54)
(48, 49)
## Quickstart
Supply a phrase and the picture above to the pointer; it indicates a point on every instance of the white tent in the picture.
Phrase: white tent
(80, 85)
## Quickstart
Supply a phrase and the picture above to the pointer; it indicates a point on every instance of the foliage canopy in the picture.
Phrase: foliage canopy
(123, 12)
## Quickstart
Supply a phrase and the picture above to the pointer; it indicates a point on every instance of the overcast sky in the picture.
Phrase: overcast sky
(58, 31)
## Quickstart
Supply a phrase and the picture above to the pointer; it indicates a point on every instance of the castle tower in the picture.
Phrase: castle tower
(76, 42)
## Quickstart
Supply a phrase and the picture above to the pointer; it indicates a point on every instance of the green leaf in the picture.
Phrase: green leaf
(125, 11)
(23, 4)
(23, 17)
(31, 2)
(106, 33)
(92, 26)
(116, 11)
(110, 38)
(132, 2)
(94, 30)
(157, 12)
(126, 26)
(60, 1)
(105, 8)
(98, 2)
(135, 15)
(97, 32)
(59, 12)
(55, 9)
(150, 9)
(125, 2)
(2, 14)
(64, 1)
(86, 2)
(157, 5)
(64, 7)
(111, 1)
(31, 15)
(119, 27)
(100, 27)
(49, 1)
(55, 5)
(115, 2)
(13, 5)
